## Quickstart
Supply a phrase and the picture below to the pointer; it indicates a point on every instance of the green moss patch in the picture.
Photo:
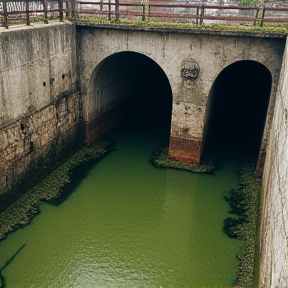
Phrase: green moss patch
(209, 163)
(244, 225)
(268, 29)
(23, 210)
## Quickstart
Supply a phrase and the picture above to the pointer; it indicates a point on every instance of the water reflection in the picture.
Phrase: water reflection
(129, 224)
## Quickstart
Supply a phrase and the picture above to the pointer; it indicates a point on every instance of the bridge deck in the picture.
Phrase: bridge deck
(225, 30)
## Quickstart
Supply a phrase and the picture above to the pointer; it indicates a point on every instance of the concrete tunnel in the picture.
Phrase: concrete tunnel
(129, 83)
(126, 84)
(237, 108)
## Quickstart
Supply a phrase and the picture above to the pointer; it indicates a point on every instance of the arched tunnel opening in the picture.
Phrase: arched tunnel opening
(130, 85)
(237, 108)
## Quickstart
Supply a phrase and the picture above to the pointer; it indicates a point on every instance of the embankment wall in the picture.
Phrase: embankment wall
(40, 107)
(274, 224)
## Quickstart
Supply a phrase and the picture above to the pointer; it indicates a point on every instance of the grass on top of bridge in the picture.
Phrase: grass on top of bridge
(268, 30)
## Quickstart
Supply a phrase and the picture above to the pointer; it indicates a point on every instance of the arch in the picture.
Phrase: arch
(237, 107)
(118, 84)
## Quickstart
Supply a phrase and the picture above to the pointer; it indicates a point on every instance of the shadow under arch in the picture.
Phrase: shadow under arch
(123, 84)
(237, 107)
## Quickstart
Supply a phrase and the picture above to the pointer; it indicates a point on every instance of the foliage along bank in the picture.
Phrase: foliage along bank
(40, 166)
(209, 163)
(21, 212)
(244, 203)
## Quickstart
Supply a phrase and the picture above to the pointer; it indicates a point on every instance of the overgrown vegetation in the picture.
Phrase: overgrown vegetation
(267, 29)
(23, 210)
(208, 164)
(250, 2)
(244, 204)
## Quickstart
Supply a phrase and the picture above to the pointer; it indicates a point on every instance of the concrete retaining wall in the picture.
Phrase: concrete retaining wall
(39, 97)
(274, 224)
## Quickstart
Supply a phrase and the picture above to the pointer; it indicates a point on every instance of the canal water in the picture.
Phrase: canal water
(129, 224)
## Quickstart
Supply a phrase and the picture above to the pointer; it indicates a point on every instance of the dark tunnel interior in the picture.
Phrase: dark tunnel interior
(151, 101)
(238, 106)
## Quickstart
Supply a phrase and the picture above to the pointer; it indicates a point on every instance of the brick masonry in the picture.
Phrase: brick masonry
(185, 150)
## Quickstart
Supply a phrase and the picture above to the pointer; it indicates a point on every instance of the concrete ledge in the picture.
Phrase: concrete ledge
(208, 31)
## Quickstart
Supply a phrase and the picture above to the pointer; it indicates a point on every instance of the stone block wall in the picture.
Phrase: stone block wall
(274, 223)
(40, 105)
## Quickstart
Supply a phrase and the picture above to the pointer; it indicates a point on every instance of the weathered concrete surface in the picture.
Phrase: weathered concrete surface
(109, 88)
(274, 224)
(41, 108)
(172, 51)
(39, 97)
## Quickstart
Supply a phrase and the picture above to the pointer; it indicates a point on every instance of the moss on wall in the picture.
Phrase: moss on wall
(268, 30)
(60, 149)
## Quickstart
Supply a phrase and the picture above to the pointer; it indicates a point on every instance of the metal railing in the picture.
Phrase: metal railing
(15, 11)
(191, 13)
(12, 11)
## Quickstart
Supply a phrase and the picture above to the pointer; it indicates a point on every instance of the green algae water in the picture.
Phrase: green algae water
(129, 224)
